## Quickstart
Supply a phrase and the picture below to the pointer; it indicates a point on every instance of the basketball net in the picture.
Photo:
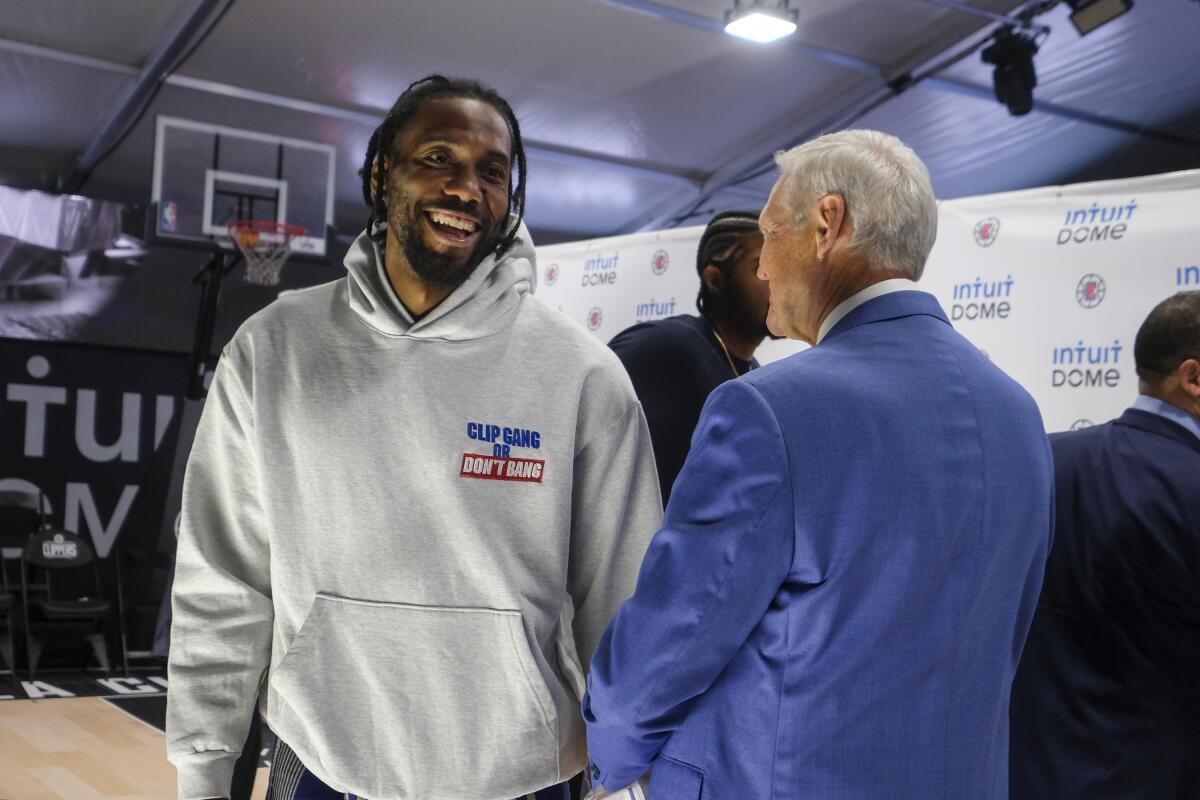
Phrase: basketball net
(265, 245)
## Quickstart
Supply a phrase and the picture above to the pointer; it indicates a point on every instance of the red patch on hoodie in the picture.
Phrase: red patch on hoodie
(491, 468)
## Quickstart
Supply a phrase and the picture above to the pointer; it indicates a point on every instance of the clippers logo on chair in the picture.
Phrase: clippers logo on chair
(60, 548)
(501, 465)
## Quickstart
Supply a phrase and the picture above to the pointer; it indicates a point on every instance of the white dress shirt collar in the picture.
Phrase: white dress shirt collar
(858, 298)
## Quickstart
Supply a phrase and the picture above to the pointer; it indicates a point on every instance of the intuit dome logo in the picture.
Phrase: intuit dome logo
(551, 275)
(652, 309)
(1083, 365)
(1090, 290)
(600, 270)
(659, 262)
(1096, 223)
(986, 231)
(982, 299)
(594, 319)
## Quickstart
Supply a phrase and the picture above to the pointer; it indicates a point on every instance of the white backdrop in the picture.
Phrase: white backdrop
(1051, 283)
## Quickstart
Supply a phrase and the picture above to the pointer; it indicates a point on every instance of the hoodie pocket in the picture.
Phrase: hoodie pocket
(392, 700)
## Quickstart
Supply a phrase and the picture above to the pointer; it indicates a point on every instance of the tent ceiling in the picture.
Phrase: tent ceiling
(629, 107)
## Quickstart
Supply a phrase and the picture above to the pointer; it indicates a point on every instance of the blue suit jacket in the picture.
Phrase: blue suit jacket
(1107, 700)
(838, 599)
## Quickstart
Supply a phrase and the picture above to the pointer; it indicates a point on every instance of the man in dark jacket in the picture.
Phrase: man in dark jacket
(1106, 702)
(676, 362)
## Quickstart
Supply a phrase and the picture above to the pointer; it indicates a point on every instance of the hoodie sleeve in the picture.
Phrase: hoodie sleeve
(615, 509)
(223, 616)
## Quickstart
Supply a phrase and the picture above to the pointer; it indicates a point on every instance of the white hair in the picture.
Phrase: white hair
(885, 187)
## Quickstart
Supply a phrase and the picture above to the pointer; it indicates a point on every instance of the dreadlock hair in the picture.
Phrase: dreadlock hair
(375, 169)
(721, 245)
(1169, 336)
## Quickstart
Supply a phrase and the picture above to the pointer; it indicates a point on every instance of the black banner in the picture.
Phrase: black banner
(94, 429)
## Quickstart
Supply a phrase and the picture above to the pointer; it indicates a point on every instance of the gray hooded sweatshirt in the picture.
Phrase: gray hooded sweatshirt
(408, 536)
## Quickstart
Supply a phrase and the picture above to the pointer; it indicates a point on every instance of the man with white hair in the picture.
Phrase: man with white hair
(851, 556)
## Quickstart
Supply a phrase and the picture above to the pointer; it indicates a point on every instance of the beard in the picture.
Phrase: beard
(446, 270)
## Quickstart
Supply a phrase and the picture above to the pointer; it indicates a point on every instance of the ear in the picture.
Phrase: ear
(831, 223)
(1189, 377)
(714, 281)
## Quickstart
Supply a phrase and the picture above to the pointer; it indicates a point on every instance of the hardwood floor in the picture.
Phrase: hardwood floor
(83, 749)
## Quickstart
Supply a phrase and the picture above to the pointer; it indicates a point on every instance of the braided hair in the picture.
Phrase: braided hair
(374, 170)
(721, 245)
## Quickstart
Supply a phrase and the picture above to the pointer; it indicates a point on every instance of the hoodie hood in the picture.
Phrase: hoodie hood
(481, 306)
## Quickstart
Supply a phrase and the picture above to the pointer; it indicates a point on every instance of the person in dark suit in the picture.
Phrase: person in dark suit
(851, 556)
(675, 363)
(1106, 702)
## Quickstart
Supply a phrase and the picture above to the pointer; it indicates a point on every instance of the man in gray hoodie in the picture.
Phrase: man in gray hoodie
(415, 499)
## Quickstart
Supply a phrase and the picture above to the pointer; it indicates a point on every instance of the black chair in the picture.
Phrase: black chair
(70, 600)
(7, 650)
(20, 516)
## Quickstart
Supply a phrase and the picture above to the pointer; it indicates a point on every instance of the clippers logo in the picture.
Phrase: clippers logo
(551, 274)
(986, 231)
(501, 465)
(1090, 290)
(659, 262)
(1080, 424)
(595, 318)
(1083, 365)
(60, 548)
(1096, 224)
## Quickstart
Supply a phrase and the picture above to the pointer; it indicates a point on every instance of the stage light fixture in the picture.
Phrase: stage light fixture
(1014, 78)
(761, 20)
(1087, 15)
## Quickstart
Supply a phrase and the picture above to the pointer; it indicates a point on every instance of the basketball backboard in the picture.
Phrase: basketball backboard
(207, 176)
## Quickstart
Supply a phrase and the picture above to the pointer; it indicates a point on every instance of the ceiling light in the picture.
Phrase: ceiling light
(761, 20)
(1013, 81)
(1087, 15)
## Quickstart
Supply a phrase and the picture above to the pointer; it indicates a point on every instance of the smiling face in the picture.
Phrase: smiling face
(448, 188)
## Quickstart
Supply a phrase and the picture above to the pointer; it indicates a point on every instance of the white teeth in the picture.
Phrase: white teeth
(453, 222)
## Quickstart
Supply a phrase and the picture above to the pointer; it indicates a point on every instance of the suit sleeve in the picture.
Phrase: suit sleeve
(707, 580)
(221, 601)
(615, 510)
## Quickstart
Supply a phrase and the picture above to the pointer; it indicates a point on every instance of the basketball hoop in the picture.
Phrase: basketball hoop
(265, 246)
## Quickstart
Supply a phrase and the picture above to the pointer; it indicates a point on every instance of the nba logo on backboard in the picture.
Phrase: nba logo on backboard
(986, 231)
(659, 262)
(1090, 290)
(170, 217)
(594, 318)
(551, 274)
